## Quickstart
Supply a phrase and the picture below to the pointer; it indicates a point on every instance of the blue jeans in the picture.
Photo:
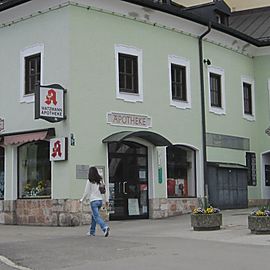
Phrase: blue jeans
(96, 218)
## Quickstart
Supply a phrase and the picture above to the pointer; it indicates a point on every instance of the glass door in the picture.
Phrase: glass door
(128, 177)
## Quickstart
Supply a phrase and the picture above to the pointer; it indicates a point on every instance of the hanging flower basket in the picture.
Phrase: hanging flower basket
(259, 221)
(207, 219)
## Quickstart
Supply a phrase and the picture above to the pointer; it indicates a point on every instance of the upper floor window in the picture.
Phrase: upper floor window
(179, 86)
(179, 74)
(31, 71)
(248, 98)
(128, 61)
(128, 73)
(222, 18)
(216, 90)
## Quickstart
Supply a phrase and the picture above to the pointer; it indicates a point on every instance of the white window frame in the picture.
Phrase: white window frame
(213, 109)
(173, 59)
(35, 49)
(129, 97)
(248, 80)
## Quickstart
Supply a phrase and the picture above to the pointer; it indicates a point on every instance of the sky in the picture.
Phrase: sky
(234, 4)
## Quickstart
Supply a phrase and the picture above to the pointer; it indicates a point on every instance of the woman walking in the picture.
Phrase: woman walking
(92, 190)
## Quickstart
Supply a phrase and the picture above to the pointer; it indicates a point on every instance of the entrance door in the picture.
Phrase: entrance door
(128, 180)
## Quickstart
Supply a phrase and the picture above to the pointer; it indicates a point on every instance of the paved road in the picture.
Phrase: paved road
(141, 244)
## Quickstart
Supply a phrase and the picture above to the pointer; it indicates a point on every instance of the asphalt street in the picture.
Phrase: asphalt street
(138, 244)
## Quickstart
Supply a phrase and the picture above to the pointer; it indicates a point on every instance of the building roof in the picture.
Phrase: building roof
(252, 26)
(253, 22)
(167, 7)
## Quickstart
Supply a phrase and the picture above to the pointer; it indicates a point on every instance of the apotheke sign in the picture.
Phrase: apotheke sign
(129, 120)
(50, 103)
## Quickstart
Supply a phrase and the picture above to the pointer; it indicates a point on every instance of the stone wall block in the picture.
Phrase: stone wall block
(1, 206)
(72, 206)
(64, 219)
(2, 218)
(58, 207)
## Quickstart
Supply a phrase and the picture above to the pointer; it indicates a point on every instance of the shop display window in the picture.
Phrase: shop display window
(181, 179)
(2, 172)
(34, 170)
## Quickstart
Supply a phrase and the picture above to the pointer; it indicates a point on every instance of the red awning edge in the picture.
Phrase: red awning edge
(24, 137)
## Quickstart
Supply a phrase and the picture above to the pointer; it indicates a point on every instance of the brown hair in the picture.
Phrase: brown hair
(94, 176)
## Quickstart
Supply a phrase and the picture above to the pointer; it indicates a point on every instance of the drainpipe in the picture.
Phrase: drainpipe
(203, 115)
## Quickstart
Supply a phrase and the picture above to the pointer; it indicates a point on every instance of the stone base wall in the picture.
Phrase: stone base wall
(258, 202)
(46, 212)
(162, 208)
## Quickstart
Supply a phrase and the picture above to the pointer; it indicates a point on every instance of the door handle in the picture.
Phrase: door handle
(124, 187)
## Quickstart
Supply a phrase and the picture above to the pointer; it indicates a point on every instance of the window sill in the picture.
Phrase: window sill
(180, 104)
(130, 97)
(250, 118)
(35, 197)
(28, 98)
(218, 111)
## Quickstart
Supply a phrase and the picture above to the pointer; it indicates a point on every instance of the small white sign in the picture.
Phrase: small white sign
(133, 207)
(58, 149)
(129, 120)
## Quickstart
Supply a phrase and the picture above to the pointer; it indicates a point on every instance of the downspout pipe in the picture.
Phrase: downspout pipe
(205, 173)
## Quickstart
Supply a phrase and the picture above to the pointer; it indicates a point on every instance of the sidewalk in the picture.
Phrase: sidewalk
(233, 230)
(137, 244)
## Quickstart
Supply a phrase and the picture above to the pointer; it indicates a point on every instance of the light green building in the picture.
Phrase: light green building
(172, 109)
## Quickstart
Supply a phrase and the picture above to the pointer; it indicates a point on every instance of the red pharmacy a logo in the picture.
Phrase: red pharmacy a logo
(57, 149)
(51, 97)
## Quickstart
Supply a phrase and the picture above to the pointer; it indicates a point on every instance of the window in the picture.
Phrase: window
(248, 98)
(181, 172)
(31, 72)
(222, 18)
(128, 73)
(179, 74)
(34, 169)
(216, 90)
(128, 62)
(267, 175)
(179, 87)
(2, 172)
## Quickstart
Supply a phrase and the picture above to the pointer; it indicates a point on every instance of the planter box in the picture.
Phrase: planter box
(206, 222)
(259, 224)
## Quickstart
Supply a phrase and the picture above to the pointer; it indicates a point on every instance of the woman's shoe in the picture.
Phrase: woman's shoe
(106, 232)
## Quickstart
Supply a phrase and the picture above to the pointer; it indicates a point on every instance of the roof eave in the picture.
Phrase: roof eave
(170, 9)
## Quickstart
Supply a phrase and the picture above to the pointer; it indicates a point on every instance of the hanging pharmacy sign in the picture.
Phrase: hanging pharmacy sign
(50, 103)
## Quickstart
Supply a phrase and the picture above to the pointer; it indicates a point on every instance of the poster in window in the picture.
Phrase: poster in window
(133, 207)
